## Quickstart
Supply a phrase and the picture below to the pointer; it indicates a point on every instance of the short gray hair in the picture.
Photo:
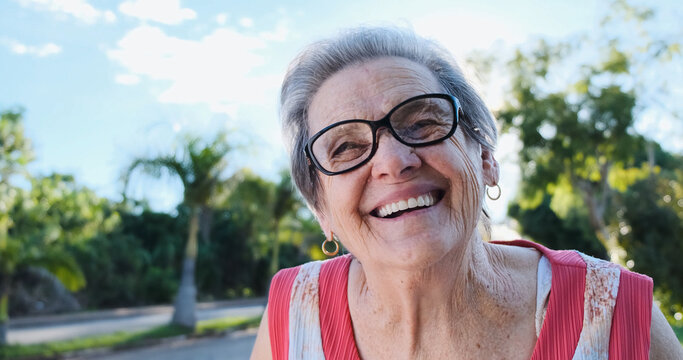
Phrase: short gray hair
(322, 59)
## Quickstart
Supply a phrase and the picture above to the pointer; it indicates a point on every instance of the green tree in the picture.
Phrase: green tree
(578, 141)
(45, 220)
(141, 263)
(15, 153)
(574, 142)
(582, 162)
(544, 226)
(649, 218)
(199, 166)
(37, 223)
(15, 148)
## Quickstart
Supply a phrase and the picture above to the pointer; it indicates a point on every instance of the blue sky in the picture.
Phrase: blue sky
(102, 82)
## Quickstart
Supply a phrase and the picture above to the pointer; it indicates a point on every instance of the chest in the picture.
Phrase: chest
(469, 337)
(309, 318)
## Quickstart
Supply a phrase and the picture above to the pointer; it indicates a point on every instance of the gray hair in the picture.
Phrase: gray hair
(322, 59)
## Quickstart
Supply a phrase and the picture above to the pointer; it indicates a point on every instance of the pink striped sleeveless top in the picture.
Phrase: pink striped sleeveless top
(592, 309)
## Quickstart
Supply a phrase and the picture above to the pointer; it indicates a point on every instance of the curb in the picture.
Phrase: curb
(42, 320)
(179, 339)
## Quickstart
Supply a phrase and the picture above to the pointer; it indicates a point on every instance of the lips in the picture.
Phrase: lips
(397, 208)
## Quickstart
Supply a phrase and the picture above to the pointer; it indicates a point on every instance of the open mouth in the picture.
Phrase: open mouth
(398, 208)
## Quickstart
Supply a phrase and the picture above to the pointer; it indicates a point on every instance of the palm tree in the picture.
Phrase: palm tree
(199, 167)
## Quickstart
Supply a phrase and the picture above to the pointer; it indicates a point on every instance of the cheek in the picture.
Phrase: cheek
(459, 164)
(342, 196)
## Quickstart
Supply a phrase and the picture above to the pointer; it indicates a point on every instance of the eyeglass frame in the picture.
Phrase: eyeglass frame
(378, 124)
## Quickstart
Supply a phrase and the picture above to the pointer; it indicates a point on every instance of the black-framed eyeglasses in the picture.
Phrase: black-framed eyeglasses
(419, 121)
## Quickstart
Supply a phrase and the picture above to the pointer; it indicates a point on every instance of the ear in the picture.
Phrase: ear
(491, 171)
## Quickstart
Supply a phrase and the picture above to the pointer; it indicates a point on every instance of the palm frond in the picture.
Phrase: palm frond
(155, 166)
(199, 165)
(60, 263)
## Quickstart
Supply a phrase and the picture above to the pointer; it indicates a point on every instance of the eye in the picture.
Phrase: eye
(424, 126)
(349, 150)
(426, 122)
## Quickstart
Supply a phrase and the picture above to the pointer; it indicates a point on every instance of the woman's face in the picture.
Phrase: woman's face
(452, 173)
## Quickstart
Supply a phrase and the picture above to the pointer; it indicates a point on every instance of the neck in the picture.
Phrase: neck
(470, 286)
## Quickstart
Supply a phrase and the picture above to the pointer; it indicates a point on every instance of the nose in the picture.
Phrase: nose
(393, 160)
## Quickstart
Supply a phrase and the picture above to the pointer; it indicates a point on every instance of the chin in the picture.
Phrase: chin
(415, 253)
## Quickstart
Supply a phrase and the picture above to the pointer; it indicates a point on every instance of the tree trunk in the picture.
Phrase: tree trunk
(205, 223)
(184, 307)
(596, 214)
(4, 308)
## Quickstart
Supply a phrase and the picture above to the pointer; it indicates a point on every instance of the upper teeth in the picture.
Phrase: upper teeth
(422, 200)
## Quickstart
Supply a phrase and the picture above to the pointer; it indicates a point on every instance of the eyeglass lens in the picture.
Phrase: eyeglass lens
(415, 122)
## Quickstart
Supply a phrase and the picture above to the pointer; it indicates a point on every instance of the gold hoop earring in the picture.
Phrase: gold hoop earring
(494, 197)
(331, 239)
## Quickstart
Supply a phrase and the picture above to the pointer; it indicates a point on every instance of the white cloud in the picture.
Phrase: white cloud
(35, 50)
(280, 33)
(222, 18)
(217, 70)
(167, 12)
(109, 16)
(79, 9)
(127, 79)
(247, 22)
(454, 30)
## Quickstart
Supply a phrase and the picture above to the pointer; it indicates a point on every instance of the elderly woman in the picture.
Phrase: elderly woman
(392, 149)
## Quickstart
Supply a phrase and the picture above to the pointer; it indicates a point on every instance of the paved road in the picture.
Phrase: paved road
(236, 346)
(69, 330)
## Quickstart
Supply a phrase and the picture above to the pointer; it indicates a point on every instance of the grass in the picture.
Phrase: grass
(120, 340)
(221, 325)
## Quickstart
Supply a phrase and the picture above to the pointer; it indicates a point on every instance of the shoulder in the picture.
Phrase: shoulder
(556, 257)
(334, 264)
(306, 275)
(294, 299)
(663, 344)
(262, 349)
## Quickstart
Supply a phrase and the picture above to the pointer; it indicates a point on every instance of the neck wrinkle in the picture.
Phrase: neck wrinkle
(463, 286)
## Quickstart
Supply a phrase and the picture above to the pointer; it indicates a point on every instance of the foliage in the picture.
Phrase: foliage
(141, 263)
(198, 165)
(228, 262)
(573, 139)
(138, 261)
(54, 213)
(586, 173)
(651, 229)
(145, 251)
(544, 226)
(37, 224)
(116, 256)
(678, 330)
(15, 148)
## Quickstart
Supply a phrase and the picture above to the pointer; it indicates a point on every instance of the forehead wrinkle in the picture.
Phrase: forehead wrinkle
(366, 91)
